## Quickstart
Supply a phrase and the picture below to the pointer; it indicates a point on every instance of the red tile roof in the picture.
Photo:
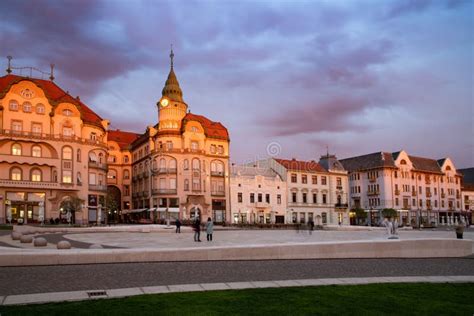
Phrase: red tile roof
(54, 94)
(302, 166)
(123, 139)
(211, 129)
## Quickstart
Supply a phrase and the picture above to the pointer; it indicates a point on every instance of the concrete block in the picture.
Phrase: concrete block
(64, 244)
(185, 288)
(45, 298)
(215, 286)
(155, 289)
(265, 284)
(287, 283)
(40, 242)
(240, 285)
(16, 235)
(124, 292)
(26, 239)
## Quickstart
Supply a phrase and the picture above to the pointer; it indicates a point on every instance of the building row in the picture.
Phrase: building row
(60, 160)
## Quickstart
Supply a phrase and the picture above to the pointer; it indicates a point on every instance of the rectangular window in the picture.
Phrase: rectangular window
(172, 183)
(169, 144)
(68, 131)
(293, 197)
(260, 197)
(92, 178)
(252, 197)
(267, 198)
(67, 176)
(278, 198)
(304, 178)
(213, 149)
(293, 178)
(324, 218)
(239, 197)
(314, 179)
(324, 199)
(17, 126)
(36, 129)
(127, 190)
(315, 198)
(339, 182)
(220, 150)
(323, 180)
(305, 197)
(93, 136)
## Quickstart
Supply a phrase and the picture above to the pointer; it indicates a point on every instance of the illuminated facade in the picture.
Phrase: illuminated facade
(180, 165)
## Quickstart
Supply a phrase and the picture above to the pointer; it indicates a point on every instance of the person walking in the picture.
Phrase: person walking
(209, 229)
(178, 226)
(197, 229)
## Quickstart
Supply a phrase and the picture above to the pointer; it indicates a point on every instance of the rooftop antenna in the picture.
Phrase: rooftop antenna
(9, 69)
(51, 75)
(327, 150)
(171, 56)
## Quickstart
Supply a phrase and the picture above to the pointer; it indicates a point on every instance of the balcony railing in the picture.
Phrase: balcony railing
(53, 137)
(218, 193)
(428, 194)
(397, 192)
(413, 193)
(28, 184)
(262, 204)
(97, 187)
(458, 196)
(372, 179)
(98, 165)
(443, 195)
(374, 192)
(338, 187)
(341, 205)
(217, 173)
(164, 191)
(164, 170)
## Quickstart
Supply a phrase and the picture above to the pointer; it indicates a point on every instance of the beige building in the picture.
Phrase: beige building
(53, 150)
(258, 195)
(180, 165)
(119, 176)
(315, 191)
(423, 190)
(467, 194)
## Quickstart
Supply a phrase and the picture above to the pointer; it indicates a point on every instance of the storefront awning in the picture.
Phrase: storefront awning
(138, 210)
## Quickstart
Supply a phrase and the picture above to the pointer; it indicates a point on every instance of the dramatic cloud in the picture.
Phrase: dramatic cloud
(356, 76)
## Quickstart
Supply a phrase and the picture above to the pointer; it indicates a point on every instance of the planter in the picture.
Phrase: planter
(459, 235)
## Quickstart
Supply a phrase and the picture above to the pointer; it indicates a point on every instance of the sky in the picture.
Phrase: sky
(292, 79)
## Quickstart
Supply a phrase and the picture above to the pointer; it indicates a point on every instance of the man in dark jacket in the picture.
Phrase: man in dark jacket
(178, 226)
(197, 229)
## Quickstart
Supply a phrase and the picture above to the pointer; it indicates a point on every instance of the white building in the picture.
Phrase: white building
(423, 190)
(467, 193)
(258, 195)
(316, 191)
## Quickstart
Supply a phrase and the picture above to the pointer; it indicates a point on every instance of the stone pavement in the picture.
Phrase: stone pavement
(127, 292)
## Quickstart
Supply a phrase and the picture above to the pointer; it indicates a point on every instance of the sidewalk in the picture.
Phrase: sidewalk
(126, 292)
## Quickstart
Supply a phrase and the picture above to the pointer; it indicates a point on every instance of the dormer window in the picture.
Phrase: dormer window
(93, 136)
(194, 129)
(27, 107)
(213, 149)
(67, 112)
(194, 145)
(40, 108)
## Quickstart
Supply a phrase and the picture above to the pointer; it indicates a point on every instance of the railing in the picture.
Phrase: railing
(98, 165)
(164, 170)
(217, 173)
(29, 184)
(397, 192)
(218, 193)
(53, 137)
(428, 194)
(262, 204)
(443, 195)
(164, 191)
(97, 187)
(339, 187)
(374, 192)
(413, 193)
(341, 205)
(372, 179)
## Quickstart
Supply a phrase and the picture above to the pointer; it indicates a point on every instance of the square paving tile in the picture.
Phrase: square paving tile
(45, 297)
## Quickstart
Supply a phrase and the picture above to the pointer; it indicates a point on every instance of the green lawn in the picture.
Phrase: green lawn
(372, 299)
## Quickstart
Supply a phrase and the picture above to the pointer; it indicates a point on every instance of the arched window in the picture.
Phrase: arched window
(67, 112)
(162, 164)
(172, 164)
(16, 150)
(15, 173)
(40, 108)
(101, 157)
(448, 168)
(67, 153)
(36, 151)
(185, 164)
(78, 153)
(125, 159)
(36, 175)
(196, 164)
(403, 162)
(92, 157)
(217, 167)
(27, 107)
(126, 174)
(79, 179)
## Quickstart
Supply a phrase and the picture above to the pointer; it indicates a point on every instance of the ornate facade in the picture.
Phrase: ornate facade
(180, 165)
(53, 151)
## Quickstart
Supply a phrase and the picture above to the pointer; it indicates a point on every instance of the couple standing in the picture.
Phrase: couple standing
(197, 229)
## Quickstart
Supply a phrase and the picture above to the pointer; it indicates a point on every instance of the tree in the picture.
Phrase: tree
(111, 202)
(360, 213)
(389, 213)
(72, 204)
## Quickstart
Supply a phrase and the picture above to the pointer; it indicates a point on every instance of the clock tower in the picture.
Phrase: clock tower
(171, 107)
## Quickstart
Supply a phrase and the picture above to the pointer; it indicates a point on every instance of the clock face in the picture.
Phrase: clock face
(164, 102)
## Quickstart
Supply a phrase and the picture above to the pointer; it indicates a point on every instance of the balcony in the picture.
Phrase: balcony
(52, 137)
(341, 205)
(262, 204)
(443, 195)
(97, 187)
(164, 170)
(372, 179)
(29, 184)
(458, 196)
(413, 193)
(164, 191)
(374, 192)
(218, 193)
(428, 194)
(397, 192)
(217, 173)
(98, 165)
(339, 187)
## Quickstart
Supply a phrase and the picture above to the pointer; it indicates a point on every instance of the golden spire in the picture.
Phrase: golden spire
(172, 90)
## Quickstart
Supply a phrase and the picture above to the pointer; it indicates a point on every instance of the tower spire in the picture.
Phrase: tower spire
(171, 56)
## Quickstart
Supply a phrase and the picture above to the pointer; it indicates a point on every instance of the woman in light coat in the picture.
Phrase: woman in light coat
(209, 228)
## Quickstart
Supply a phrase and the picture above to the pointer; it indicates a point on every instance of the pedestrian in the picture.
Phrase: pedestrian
(197, 229)
(178, 226)
(311, 226)
(209, 228)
